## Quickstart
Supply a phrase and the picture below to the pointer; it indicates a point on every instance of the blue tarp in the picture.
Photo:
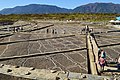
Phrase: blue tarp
(118, 18)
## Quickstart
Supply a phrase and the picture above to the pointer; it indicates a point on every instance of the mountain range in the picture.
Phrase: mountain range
(47, 9)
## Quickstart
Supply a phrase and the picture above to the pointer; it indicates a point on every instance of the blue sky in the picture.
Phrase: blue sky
(70, 4)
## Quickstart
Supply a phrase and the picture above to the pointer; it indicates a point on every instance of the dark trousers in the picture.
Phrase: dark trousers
(118, 66)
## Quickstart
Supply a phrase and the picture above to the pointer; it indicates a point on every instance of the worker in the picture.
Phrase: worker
(87, 28)
(118, 63)
(47, 30)
(64, 31)
(103, 55)
(102, 58)
(53, 31)
(83, 30)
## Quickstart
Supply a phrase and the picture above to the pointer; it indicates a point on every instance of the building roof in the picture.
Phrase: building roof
(114, 21)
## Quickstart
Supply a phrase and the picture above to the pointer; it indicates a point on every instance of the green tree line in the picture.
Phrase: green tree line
(63, 16)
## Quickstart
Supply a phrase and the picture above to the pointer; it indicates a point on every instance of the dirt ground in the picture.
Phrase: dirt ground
(45, 41)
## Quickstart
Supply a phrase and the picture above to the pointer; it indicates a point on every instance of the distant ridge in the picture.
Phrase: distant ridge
(98, 8)
(47, 9)
(34, 9)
